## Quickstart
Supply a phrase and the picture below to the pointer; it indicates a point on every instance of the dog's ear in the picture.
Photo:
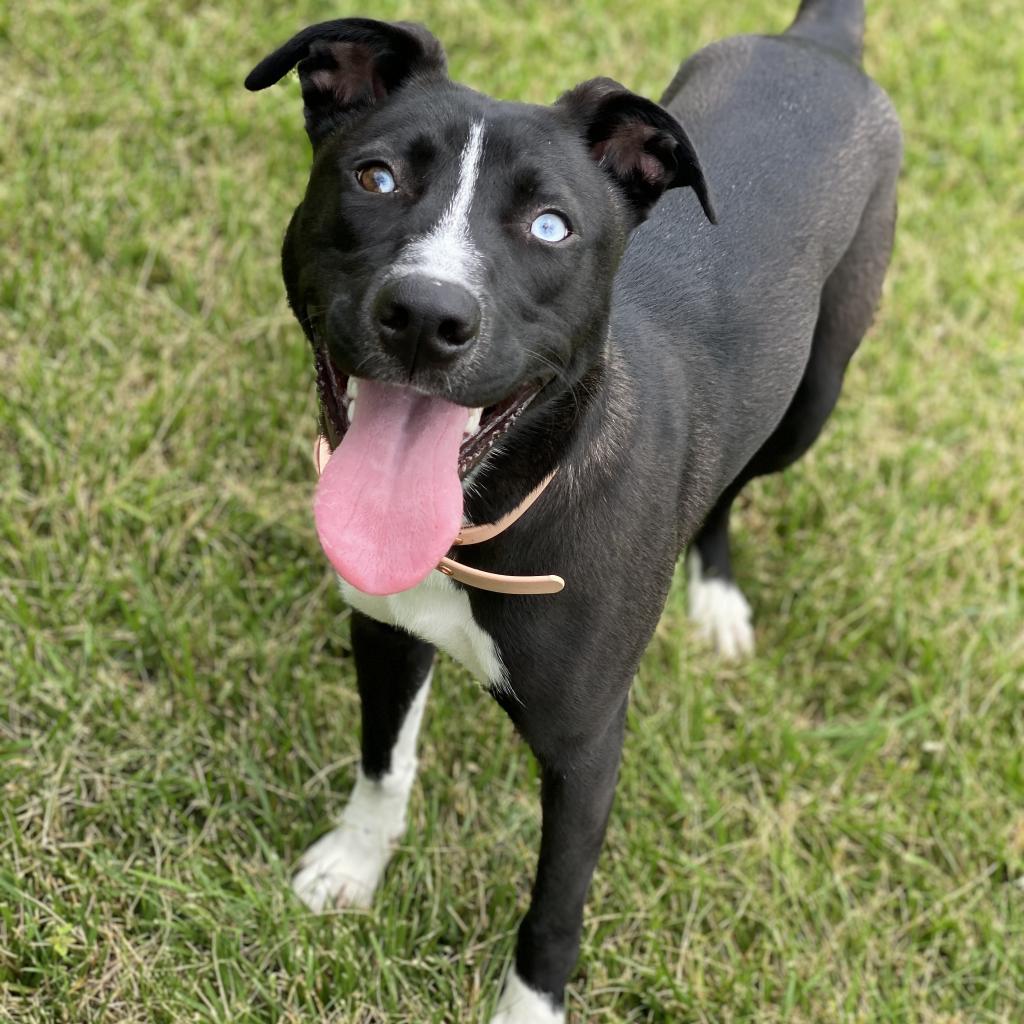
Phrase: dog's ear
(638, 143)
(348, 65)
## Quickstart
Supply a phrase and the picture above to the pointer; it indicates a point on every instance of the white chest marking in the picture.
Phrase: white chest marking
(447, 252)
(437, 611)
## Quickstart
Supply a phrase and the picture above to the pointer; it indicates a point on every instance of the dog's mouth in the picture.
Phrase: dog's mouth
(484, 426)
(389, 502)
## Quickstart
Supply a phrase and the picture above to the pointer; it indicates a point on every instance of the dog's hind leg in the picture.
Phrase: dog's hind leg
(716, 605)
(344, 866)
(848, 303)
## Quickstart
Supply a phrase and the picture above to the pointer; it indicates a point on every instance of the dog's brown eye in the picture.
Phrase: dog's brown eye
(377, 178)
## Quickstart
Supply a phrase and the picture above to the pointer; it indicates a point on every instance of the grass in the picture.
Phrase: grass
(831, 832)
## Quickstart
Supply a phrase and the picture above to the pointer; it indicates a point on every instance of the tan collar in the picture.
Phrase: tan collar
(469, 535)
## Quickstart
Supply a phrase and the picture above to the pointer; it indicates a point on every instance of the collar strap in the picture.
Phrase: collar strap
(469, 535)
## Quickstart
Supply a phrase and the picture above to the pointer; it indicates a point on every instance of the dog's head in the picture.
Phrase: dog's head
(453, 247)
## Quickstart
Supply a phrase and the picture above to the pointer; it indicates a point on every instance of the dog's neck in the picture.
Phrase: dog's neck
(495, 582)
(538, 446)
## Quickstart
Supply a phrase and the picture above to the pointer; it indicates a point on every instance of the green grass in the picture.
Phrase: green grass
(832, 832)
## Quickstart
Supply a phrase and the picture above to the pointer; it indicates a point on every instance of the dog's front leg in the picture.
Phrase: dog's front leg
(393, 671)
(577, 786)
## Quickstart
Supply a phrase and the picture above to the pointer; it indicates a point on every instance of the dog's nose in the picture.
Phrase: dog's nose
(426, 321)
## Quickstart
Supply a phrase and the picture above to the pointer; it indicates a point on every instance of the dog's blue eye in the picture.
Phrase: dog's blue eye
(549, 227)
(377, 178)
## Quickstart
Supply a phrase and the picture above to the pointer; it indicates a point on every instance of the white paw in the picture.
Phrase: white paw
(721, 613)
(342, 868)
(520, 1004)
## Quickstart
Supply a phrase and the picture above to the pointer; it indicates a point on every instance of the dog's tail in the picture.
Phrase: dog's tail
(838, 24)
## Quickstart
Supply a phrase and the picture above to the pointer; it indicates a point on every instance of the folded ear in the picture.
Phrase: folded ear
(348, 65)
(639, 144)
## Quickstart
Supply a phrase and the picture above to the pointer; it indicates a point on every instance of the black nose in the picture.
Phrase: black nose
(424, 321)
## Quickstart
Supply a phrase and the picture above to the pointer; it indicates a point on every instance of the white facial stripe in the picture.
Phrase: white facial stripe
(447, 252)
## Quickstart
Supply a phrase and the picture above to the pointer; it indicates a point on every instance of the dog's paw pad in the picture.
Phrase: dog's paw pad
(722, 616)
(520, 1004)
(342, 868)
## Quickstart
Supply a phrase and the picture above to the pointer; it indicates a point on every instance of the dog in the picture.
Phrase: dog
(578, 330)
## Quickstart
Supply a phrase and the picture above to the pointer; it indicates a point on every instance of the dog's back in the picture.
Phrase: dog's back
(797, 142)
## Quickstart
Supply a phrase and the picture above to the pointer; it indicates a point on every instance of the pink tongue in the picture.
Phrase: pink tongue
(389, 503)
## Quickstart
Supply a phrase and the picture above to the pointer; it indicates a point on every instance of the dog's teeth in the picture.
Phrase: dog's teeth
(351, 410)
(352, 388)
(473, 422)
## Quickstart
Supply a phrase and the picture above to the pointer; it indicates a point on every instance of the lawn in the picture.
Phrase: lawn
(833, 831)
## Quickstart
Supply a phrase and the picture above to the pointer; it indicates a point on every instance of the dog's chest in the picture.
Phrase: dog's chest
(439, 612)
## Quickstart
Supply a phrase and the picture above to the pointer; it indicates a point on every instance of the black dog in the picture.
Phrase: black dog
(508, 292)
